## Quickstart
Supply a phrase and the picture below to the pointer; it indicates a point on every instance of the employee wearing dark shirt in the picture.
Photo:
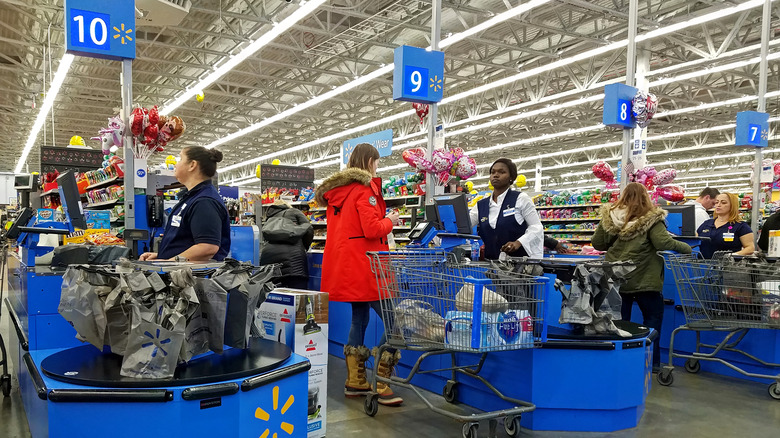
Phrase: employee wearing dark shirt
(726, 230)
(198, 227)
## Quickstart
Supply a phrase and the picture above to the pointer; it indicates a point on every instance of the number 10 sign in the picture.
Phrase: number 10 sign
(100, 29)
(418, 75)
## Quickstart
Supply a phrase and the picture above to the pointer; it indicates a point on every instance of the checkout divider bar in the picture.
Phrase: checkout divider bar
(278, 374)
(110, 395)
(23, 343)
(37, 380)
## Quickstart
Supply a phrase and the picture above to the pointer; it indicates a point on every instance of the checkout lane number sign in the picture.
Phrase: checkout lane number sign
(100, 29)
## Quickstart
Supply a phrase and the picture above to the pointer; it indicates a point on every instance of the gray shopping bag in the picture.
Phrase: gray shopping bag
(575, 306)
(81, 303)
(242, 302)
(206, 327)
(152, 348)
(117, 320)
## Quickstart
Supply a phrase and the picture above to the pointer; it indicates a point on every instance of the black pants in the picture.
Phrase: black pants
(652, 306)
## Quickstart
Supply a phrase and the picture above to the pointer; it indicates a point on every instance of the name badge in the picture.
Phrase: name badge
(509, 212)
(728, 237)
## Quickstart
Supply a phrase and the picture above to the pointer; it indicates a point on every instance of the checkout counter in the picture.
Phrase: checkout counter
(72, 389)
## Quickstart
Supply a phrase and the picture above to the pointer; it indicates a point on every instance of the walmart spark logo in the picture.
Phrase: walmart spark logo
(156, 342)
(123, 33)
(436, 83)
(260, 414)
(764, 134)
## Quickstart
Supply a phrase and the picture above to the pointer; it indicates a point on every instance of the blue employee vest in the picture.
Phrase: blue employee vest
(178, 234)
(507, 229)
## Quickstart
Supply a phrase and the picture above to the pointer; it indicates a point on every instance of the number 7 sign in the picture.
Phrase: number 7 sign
(752, 129)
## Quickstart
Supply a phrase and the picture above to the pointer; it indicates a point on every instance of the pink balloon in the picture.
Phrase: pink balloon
(443, 177)
(777, 169)
(671, 193)
(411, 155)
(424, 164)
(664, 177)
(467, 167)
(442, 160)
(457, 152)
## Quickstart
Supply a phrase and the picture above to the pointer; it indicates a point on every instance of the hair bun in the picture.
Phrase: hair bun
(215, 155)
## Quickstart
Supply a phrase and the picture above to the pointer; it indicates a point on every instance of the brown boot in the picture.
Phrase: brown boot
(385, 367)
(356, 384)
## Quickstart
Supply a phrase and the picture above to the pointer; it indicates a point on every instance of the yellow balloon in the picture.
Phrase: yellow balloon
(170, 162)
(76, 141)
(490, 186)
(276, 162)
(520, 181)
(473, 192)
(257, 171)
(200, 96)
(469, 186)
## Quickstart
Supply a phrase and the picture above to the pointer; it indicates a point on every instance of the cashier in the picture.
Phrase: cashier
(198, 227)
(726, 230)
(507, 221)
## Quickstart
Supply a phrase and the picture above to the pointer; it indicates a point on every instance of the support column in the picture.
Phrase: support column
(633, 12)
(126, 80)
(538, 177)
(765, 22)
(430, 184)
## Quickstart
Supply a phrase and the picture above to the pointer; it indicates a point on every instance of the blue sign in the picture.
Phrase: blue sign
(752, 129)
(141, 173)
(382, 141)
(100, 29)
(418, 75)
(618, 103)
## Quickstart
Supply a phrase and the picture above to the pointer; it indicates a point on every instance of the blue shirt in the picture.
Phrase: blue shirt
(199, 217)
(717, 241)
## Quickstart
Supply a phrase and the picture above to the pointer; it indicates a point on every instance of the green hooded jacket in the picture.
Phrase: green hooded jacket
(637, 241)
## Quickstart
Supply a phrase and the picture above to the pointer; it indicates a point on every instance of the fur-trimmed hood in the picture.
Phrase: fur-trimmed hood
(613, 222)
(340, 179)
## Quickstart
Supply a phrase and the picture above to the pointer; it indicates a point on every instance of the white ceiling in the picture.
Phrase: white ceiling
(351, 38)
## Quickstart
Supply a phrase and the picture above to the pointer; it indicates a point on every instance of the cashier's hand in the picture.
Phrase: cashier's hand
(394, 217)
(148, 256)
(510, 247)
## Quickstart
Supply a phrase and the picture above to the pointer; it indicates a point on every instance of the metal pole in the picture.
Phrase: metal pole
(628, 134)
(430, 184)
(757, 167)
(538, 177)
(126, 80)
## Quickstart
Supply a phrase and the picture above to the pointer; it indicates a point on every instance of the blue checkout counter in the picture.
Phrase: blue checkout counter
(594, 385)
(71, 389)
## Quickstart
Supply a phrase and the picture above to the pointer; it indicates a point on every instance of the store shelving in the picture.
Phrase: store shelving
(573, 219)
(105, 204)
(106, 183)
(546, 207)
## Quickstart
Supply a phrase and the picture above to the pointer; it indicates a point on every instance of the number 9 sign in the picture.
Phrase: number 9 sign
(418, 75)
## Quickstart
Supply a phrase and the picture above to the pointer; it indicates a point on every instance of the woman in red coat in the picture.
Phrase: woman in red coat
(357, 223)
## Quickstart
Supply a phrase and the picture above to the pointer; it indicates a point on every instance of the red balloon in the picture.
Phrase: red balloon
(671, 193)
(411, 156)
(421, 109)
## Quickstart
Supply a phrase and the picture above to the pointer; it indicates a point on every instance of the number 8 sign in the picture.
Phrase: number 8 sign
(418, 75)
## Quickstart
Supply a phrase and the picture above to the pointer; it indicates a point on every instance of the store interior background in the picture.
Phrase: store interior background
(528, 88)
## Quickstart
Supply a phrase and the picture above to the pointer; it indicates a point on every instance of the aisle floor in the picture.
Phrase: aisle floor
(704, 405)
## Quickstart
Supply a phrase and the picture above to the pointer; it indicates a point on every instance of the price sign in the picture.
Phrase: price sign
(618, 103)
(418, 75)
(752, 129)
(100, 29)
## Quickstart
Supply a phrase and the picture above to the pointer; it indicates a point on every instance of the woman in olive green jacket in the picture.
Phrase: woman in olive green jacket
(634, 229)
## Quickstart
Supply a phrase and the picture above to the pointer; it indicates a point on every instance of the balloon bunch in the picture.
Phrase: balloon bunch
(603, 171)
(644, 108)
(421, 109)
(658, 183)
(443, 164)
(152, 132)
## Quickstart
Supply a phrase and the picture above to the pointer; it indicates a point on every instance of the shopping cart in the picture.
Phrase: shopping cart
(439, 305)
(724, 295)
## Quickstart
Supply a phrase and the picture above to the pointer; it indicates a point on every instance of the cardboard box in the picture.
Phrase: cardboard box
(98, 219)
(284, 317)
(80, 236)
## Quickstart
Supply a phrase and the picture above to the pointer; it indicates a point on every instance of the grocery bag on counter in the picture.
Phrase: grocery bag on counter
(242, 302)
(206, 327)
(82, 302)
(575, 304)
(153, 346)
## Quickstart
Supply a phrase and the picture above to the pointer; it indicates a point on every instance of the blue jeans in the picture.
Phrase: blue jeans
(361, 314)
(652, 306)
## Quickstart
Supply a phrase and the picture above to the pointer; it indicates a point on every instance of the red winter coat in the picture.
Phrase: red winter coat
(356, 224)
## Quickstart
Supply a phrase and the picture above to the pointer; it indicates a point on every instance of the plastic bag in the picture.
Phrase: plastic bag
(81, 303)
(491, 301)
(415, 318)
(242, 302)
(152, 349)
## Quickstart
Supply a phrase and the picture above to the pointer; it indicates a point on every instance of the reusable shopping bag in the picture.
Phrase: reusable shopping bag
(81, 303)
(206, 327)
(242, 302)
(575, 305)
(152, 347)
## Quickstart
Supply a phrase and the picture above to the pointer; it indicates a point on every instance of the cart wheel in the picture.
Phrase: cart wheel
(470, 430)
(774, 391)
(665, 377)
(450, 391)
(371, 405)
(692, 366)
(512, 425)
(6, 384)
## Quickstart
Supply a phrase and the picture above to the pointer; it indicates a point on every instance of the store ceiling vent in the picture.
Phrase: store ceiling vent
(161, 12)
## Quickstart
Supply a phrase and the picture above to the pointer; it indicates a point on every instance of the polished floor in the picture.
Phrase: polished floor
(703, 405)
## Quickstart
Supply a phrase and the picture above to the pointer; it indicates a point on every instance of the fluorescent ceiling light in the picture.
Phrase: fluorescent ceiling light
(304, 9)
(48, 102)
(500, 18)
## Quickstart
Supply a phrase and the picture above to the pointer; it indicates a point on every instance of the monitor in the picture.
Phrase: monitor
(453, 213)
(25, 181)
(71, 200)
(681, 220)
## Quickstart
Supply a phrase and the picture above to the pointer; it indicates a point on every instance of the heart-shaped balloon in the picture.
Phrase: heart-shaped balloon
(671, 193)
(664, 177)
(424, 165)
(467, 167)
(457, 152)
(421, 109)
(442, 160)
(443, 177)
(411, 155)
(603, 171)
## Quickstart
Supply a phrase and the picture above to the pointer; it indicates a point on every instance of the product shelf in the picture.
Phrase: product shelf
(574, 219)
(547, 207)
(105, 183)
(101, 205)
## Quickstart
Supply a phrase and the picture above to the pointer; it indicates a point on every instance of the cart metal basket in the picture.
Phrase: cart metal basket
(725, 295)
(431, 302)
